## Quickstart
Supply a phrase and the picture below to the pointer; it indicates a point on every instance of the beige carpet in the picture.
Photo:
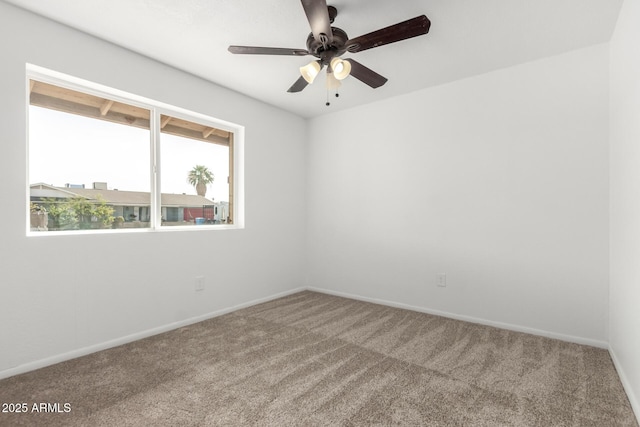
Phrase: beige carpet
(311, 359)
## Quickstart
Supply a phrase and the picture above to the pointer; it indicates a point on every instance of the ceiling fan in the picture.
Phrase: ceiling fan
(329, 43)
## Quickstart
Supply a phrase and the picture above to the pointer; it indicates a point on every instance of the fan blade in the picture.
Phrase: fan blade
(366, 75)
(318, 16)
(404, 30)
(257, 50)
(300, 84)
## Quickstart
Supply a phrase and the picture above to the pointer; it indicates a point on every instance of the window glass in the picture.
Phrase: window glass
(195, 173)
(89, 161)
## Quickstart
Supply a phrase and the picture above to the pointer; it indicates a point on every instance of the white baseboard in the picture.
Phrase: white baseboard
(32, 366)
(507, 326)
(633, 399)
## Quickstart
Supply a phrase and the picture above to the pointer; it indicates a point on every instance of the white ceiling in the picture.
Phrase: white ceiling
(467, 37)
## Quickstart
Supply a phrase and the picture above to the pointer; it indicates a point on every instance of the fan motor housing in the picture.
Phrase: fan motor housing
(336, 48)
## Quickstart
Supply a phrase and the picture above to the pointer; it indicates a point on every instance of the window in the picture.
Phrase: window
(206, 153)
(102, 160)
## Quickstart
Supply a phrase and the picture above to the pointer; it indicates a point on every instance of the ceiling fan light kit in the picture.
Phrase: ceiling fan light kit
(341, 69)
(332, 82)
(329, 43)
(310, 71)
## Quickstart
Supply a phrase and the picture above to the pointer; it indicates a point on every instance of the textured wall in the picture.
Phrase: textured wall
(625, 200)
(499, 181)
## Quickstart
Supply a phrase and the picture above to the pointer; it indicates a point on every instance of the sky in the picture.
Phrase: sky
(70, 149)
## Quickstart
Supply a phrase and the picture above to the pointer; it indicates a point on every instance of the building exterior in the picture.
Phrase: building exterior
(134, 206)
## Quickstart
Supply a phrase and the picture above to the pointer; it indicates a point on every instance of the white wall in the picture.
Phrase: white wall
(500, 181)
(624, 332)
(62, 295)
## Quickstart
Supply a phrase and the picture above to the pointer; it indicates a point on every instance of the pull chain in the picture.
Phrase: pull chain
(337, 96)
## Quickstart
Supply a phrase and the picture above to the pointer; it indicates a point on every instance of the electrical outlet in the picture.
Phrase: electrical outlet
(441, 280)
(199, 283)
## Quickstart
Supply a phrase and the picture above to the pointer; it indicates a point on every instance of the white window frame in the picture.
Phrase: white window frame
(156, 108)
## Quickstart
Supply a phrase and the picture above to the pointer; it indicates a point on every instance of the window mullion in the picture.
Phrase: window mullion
(156, 211)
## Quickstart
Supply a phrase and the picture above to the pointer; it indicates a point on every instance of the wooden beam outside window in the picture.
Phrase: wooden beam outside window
(108, 103)
(165, 121)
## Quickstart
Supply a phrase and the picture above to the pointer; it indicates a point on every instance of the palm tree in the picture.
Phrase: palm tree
(200, 176)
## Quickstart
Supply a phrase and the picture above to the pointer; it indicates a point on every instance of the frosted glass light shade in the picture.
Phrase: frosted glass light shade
(332, 82)
(341, 69)
(310, 71)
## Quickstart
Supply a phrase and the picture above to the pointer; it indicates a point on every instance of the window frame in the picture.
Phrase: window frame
(156, 109)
